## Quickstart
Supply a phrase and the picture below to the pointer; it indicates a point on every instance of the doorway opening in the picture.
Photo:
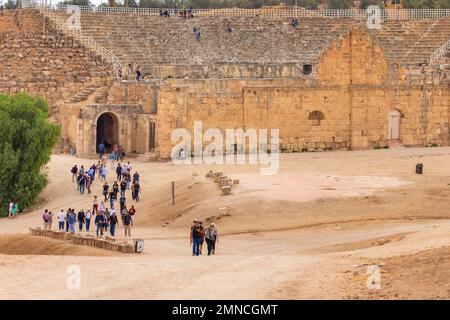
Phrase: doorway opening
(107, 131)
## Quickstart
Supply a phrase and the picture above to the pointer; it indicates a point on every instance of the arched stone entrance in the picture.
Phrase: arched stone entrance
(394, 124)
(107, 131)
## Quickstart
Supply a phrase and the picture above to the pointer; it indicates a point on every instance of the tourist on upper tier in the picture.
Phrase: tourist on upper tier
(294, 22)
(195, 237)
(211, 236)
(138, 75)
(61, 220)
(88, 217)
(74, 172)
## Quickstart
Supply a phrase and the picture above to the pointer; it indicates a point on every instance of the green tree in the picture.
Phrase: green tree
(27, 139)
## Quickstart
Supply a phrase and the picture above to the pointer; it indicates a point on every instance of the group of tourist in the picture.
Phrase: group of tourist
(103, 218)
(199, 235)
(184, 13)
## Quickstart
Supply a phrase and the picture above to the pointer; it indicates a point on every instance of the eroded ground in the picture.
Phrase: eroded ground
(308, 232)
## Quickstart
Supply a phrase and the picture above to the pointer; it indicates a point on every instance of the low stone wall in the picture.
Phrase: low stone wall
(107, 243)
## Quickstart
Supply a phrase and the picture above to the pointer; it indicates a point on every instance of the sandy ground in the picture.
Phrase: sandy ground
(308, 232)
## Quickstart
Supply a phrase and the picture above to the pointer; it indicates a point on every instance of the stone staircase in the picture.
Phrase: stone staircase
(411, 43)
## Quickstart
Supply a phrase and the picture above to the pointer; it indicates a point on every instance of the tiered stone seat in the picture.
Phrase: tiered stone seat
(152, 41)
(158, 41)
(412, 42)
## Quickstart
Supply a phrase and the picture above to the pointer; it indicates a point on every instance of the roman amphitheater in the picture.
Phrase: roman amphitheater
(372, 92)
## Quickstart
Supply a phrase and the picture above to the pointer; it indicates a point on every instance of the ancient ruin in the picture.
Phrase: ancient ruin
(332, 82)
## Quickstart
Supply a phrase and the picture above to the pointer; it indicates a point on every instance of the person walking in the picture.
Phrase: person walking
(119, 172)
(88, 217)
(116, 188)
(67, 219)
(45, 218)
(74, 172)
(202, 240)
(101, 149)
(107, 216)
(104, 172)
(61, 220)
(94, 205)
(211, 236)
(105, 191)
(136, 190)
(113, 222)
(112, 198)
(196, 237)
(132, 211)
(15, 210)
(123, 188)
(50, 220)
(99, 221)
(136, 177)
(88, 183)
(72, 220)
(81, 217)
(127, 222)
(10, 209)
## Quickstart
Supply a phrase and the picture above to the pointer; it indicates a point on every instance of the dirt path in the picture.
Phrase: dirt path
(308, 232)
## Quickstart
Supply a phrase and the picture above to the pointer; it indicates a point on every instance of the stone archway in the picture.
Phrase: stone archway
(394, 124)
(107, 126)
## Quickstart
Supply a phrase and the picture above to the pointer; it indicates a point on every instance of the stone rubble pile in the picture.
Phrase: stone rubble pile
(224, 182)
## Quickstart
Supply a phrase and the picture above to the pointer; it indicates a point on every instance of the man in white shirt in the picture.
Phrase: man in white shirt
(61, 220)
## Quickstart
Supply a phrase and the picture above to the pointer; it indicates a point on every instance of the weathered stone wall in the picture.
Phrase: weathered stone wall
(355, 90)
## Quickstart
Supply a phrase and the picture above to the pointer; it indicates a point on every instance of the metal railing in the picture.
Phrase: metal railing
(439, 53)
(356, 14)
(88, 42)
